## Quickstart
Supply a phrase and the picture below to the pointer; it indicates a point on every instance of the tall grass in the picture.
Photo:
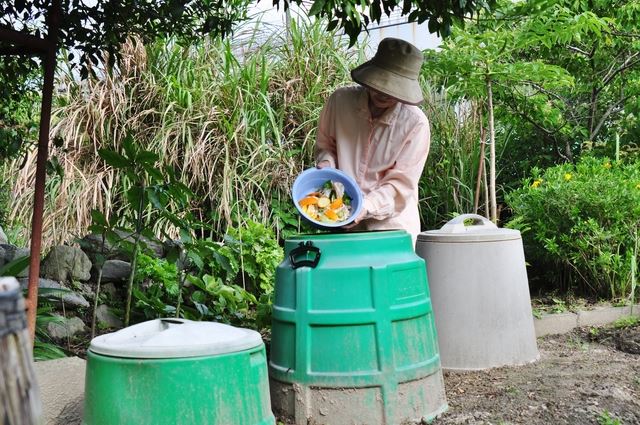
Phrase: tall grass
(238, 127)
(236, 122)
(448, 183)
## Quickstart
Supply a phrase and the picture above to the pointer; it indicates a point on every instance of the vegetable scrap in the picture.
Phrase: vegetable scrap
(327, 204)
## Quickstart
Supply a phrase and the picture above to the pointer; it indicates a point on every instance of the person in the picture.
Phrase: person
(376, 133)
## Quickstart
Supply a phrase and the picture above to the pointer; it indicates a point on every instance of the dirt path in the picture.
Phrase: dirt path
(577, 380)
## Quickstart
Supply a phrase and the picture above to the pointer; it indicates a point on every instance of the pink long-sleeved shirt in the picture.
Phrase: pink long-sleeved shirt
(385, 155)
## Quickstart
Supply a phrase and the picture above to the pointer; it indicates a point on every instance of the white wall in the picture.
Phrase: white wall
(392, 26)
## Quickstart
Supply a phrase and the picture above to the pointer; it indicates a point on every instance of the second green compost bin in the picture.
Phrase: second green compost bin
(353, 335)
(177, 372)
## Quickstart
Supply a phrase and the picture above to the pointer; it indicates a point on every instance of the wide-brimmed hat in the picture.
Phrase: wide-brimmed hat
(394, 71)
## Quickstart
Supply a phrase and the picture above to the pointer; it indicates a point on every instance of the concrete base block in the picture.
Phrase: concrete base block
(551, 324)
(411, 403)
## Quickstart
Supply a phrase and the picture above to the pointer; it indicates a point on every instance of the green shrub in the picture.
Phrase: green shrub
(582, 222)
(231, 282)
(156, 288)
(255, 249)
(5, 192)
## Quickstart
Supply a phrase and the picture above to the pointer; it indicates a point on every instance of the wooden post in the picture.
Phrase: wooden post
(49, 62)
(19, 395)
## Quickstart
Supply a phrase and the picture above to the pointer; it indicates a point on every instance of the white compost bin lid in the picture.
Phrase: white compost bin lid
(175, 338)
(479, 230)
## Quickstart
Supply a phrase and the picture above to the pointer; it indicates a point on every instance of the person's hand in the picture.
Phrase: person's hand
(355, 222)
(323, 164)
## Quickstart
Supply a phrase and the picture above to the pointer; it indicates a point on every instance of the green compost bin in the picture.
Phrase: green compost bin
(353, 335)
(177, 372)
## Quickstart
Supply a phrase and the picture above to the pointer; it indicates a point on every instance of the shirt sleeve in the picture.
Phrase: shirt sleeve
(399, 182)
(325, 149)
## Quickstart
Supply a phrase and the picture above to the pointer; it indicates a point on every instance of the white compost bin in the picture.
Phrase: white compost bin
(480, 294)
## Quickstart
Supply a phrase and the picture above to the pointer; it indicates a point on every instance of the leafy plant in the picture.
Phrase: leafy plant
(582, 219)
(230, 281)
(14, 267)
(43, 347)
(150, 196)
(226, 303)
(255, 248)
(156, 286)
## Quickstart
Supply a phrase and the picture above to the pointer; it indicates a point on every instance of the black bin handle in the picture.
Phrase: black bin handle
(302, 250)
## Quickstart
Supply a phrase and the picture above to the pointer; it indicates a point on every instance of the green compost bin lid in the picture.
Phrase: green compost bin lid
(175, 338)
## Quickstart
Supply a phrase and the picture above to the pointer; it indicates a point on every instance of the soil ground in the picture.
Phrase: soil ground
(588, 376)
(583, 377)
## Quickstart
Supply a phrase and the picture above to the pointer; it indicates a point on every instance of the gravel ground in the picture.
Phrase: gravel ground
(583, 377)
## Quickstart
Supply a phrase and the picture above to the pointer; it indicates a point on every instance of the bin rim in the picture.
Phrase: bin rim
(175, 338)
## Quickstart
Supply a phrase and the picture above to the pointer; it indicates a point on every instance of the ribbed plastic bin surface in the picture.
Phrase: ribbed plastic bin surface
(177, 372)
(480, 294)
(353, 337)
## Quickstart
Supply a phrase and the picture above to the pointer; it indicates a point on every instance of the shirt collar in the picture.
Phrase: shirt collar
(387, 118)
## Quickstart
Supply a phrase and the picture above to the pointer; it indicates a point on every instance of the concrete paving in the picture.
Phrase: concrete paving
(61, 383)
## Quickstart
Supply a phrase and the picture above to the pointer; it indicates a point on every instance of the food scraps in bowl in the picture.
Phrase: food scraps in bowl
(328, 204)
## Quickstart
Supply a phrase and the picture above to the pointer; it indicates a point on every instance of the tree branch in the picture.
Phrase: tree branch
(579, 50)
(541, 89)
(614, 108)
(626, 65)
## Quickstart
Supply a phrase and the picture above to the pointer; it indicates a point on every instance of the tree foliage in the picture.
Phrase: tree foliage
(19, 101)
(86, 29)
(565, 75)
(354, 16)
(596, 42)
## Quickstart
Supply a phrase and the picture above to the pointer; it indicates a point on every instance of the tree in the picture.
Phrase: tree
(89, 28)
(597, 43)
(19, 84)
(484, 65)
(354, 16)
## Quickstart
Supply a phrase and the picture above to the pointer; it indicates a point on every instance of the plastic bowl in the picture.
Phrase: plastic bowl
(313, 178)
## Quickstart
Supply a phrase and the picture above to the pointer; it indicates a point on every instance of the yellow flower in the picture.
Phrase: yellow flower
(607, 165)
(638, 186)
(567, 176)
(536, 183)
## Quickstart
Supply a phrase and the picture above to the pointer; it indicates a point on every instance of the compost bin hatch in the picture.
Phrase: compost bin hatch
(469, 228)
(175, 338)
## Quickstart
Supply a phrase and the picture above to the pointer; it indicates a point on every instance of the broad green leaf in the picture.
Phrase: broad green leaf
(114, 159)
(317, 7)
(15, 267)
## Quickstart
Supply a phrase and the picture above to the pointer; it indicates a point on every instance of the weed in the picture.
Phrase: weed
(605, 418)
(626, 322)
(578, 343)
(559, 306)
(512, 391)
